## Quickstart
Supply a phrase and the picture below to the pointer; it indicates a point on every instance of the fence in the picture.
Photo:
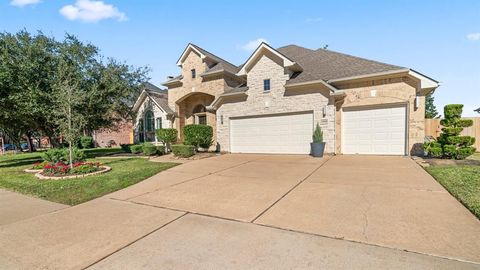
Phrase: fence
(434, 129)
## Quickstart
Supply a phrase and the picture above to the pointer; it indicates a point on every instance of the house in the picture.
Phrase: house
(272, 102)
(152, 112)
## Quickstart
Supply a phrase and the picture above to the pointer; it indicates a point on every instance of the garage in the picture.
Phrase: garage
(279, 134)
(374, 130)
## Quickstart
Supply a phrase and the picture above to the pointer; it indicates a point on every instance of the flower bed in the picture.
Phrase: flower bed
(61, 170)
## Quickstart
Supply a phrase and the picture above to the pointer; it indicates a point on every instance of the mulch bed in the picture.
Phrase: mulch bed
(448, 162)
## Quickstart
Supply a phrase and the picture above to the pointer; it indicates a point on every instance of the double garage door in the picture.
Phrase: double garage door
(281, 134)
(380, 131)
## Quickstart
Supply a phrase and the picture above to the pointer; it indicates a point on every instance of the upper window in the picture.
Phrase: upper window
(194, 73)
(149, 124)
(266, 85)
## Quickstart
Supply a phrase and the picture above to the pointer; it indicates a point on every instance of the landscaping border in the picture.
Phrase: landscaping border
(39, 175)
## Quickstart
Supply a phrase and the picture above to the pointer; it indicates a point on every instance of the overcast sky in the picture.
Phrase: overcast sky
(438, 38)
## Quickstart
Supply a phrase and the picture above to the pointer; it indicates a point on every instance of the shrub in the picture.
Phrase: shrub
(181, 150)
(136, 148)
(160, 149)
(86, 142)
(39, 165)
(126, 148)
(60, 168)
(167, 136)
(149, 149)
(198, 135)
(317, 135)
(453, 145)
(435, 152)
(56, 155)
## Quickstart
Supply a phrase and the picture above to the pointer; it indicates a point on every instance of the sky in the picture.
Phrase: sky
(440, 39)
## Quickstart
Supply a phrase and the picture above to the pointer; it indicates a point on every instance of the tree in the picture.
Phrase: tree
(430, 109)
(454, 145)
(29, 83)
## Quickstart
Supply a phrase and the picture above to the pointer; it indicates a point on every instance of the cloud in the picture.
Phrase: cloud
(474, 36)
(91, 11)
(252, 45)
(313, 20)
(22, 3)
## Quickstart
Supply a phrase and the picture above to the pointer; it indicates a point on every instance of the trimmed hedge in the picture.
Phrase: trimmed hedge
(167, 135)
(181, 150)
(198, 135)
(126, 148)
(136, 148)
(149, 149)
(86, 142)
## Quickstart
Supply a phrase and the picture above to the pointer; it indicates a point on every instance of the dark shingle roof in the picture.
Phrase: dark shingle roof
(159, 96)
(327, 65)
(222, 63)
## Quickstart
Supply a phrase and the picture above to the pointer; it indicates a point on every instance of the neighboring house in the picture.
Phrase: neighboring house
(114, 137)
(272, 102)
(152, 112)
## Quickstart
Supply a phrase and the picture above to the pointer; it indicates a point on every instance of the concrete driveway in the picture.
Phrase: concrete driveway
(258, 212)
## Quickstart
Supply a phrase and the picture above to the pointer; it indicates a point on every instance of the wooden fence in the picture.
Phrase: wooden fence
(434, 129)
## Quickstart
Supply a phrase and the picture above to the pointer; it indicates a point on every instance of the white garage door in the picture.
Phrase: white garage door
(285, 134)
(379, 131)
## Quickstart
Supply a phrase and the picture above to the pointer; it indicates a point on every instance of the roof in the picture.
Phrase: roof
(327, 65)
(159, 96)
(221, 63)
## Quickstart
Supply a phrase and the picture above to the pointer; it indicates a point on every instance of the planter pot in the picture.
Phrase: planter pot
(317, 149)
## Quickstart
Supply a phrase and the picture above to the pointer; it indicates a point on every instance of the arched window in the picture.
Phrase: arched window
(149, 121)
(200, 114)
(199, 109)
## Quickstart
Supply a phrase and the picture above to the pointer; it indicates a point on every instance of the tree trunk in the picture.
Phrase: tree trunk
(29, 141)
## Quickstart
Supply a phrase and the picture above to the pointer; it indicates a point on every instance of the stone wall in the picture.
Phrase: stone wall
(277, 100)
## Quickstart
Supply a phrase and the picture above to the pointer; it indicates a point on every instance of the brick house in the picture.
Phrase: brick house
(272, 102)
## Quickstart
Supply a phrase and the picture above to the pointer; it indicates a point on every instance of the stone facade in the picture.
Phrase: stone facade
(149, 105)
(277, 100)
(395, 90)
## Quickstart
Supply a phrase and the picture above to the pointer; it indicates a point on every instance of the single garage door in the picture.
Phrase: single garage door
(282, 134)
(380, 131)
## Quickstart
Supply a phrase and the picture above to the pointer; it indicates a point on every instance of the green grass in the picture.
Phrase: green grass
(463, 182)
(125, 172)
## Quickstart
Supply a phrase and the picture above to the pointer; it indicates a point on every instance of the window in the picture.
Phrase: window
(201, 119)
(194, 73)
(266, 85)
(149, 124)
(159, 123)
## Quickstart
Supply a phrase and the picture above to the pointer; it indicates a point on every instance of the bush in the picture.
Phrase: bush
(86, 142)
(181, 150)
(39, 165)
(435, 152)
(56, 155)
(136, 148)
(126, 148)
(167, 135)
(160, 149)
(317, 135)
(149, 149)
(453, 145)
(198, 135)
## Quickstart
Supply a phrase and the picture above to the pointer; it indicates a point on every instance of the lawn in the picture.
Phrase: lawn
(463, 182)
(125, 172)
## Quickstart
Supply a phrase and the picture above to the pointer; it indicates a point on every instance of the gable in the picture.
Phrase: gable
(273, 54)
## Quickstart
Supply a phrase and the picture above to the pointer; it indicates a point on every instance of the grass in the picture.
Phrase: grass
(125, 172)
(463, 182)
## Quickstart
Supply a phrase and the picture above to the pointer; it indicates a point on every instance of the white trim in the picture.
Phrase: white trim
(425, 82)
(263, 46)
(185, 53)
(333, 89)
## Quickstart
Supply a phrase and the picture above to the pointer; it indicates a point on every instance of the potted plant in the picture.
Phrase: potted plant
(317, 147)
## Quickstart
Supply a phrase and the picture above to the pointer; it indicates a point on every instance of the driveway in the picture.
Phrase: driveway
(257, 212)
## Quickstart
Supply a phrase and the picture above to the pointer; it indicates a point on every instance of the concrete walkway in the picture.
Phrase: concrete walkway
(15, 207)
(258, 212)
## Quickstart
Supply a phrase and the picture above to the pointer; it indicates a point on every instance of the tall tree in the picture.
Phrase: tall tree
(430, 109)
(29, 84)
